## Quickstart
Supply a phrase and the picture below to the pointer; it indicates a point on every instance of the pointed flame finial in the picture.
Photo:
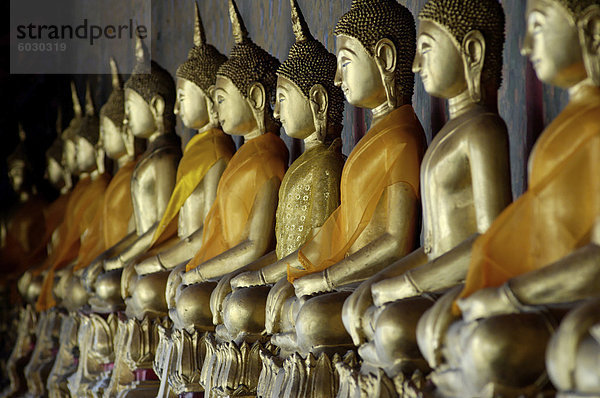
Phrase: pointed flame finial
(89, 103)
(114, 72)
(299, 24)
(199, 35)
(240, 34)
(75, 99)
(141, 52)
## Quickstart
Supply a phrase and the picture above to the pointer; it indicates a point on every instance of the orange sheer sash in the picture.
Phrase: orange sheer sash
(201, 153)
(117, 208)
(256, 162)
(557, 213)
(85, 202)
(389, 153)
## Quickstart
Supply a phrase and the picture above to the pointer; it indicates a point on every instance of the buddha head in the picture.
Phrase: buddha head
(111, 118)
(196, 79)
(19, 166)
(69, 135)
(375, 43)
(562, 40)
(307, 100)
(149, 97)
(246, 84)
(459, 48)
(87, 141)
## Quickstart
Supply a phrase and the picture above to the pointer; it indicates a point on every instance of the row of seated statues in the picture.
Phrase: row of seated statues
(403, 270)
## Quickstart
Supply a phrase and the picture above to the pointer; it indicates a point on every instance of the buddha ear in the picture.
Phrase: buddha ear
(319, 104)
(157, 106)
(589, 36)
(256, 96)
(257, 99)
(473, 54)
(386, 56)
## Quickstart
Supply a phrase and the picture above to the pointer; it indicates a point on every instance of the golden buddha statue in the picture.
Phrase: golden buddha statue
(48, 326)
(110, 225)
(539, 255)
(310, 108)
(375, 223)
(204, 160)
(239, 227)
(149, 104)
(25, 219)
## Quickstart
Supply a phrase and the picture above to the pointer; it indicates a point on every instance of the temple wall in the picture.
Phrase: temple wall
(524, 103)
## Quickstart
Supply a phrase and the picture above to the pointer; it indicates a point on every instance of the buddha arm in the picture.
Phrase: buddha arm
(259, 236)
(187, 247)
(487, 154)
(92, 271)
(443, 272)
(574, 277)
(183, 251)
(394, 243)
(139, 246)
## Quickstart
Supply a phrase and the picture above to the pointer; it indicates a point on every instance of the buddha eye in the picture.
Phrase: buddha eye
(346, 63)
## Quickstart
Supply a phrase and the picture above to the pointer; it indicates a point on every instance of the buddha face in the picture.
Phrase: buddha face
(293, 110)
(552, 44)
(69, 158)
(138, 116)
(235, 115)
(358, 75)
(439, 62)
(86, 155)
(54, 172)
(112, 139)
(191, 104)
(16, 175)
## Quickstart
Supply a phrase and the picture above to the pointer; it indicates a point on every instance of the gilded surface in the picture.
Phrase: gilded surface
(309, 192)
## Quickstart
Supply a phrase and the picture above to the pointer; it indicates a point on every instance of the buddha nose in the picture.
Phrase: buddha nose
(527, 45)
(338, 77)
(416, 67)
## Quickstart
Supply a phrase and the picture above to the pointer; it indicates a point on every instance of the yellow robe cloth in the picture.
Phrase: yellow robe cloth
(111, 222)
(24, 231)
(200, 154)
(557, 213)
(118, 207)
(256, 162)
(85, 202)
(388, 154)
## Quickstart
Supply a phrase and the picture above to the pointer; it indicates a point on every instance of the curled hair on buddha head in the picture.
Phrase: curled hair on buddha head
(157, 82)
(459, 17)
(369, 21)
(90, 125)
(309, 63)
(203, 60)
(249, 64)
(577, 7)
(114, 108)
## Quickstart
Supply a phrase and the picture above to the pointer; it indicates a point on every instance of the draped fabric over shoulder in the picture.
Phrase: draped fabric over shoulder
(200, 154)
(255, 163)
(118, 208)
(557, 213)
(24, 232)
(85, 202)
(390, 153)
